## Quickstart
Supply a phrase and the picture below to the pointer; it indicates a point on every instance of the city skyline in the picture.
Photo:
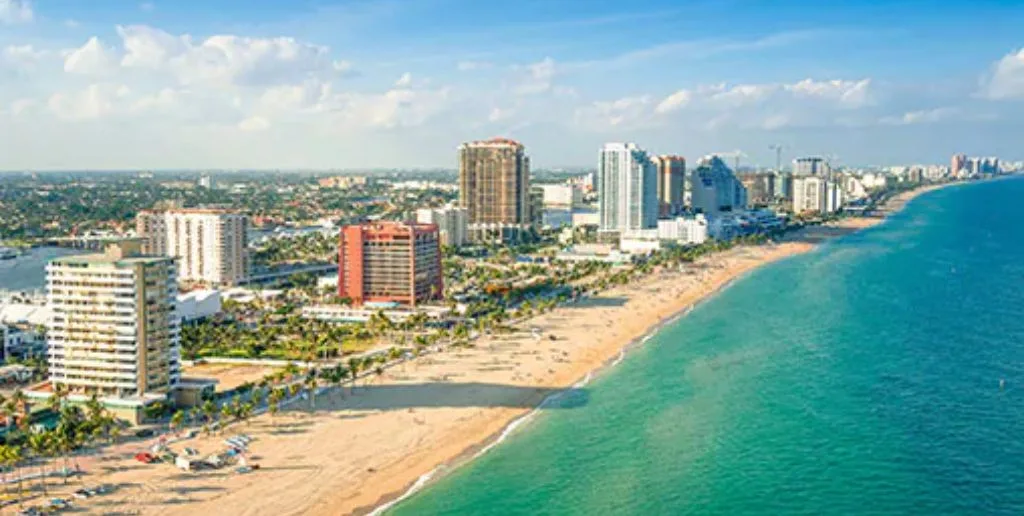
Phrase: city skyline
(186, 85)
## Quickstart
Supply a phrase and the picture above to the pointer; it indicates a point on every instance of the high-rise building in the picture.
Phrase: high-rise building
(760, 187)
(211, 245)
(390, 262)
(816, 194)
(671, 177)
(958, 163)
(714, 187)
(451, 224)
(812, 166)
(151, 227)
(536, 198)
(494, 183)
(627, 189)
(114, 331)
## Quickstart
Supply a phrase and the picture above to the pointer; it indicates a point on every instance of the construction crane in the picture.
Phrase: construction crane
(778, 156)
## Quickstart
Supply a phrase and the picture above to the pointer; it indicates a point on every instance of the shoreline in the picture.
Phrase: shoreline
(366, 452)
(892, 206)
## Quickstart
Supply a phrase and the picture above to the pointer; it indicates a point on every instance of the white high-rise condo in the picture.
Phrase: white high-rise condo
(210, 244)
(816, 194)
(627, 188)
(114, 331)
(451, 223)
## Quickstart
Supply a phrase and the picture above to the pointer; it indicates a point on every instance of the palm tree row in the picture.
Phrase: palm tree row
(76, 427)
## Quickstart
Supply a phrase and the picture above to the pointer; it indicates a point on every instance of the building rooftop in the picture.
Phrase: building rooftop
(120, 253)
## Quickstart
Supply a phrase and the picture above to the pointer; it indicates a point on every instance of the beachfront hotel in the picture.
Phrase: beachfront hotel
(627, 189)
(390, 263)
(494, 188)
(114, 331)
(210, 244)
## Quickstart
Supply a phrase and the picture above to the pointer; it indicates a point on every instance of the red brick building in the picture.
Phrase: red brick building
(380, 262)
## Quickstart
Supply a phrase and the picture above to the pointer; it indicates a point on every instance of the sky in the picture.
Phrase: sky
(270, 84)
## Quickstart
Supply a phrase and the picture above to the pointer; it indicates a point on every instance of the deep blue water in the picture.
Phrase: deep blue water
(860, 379)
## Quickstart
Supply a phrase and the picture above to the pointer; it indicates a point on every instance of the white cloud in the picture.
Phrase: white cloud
(90, 58)
(225, 60)
(15, 11)
(147, 6)
(675, 101)
(1006, 79)
(404, 81)
(465, 66)
(498, 114)
(255, 123)
(849, 93)
(22, 106)
(95, 101)
(626, 112)
(22, 56)
(538, 78)
(835, 94)
(395, 108)
(296, 97)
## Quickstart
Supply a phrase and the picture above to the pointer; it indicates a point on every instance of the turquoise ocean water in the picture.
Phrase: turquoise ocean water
(860, 379)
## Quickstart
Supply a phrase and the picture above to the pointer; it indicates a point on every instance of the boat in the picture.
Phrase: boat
(6, 253)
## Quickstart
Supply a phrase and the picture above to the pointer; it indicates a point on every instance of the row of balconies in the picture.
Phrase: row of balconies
(90, 372)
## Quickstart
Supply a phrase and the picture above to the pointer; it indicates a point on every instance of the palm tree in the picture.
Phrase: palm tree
(177, 420)
(39, 443)
(291, 370)
(12, 457)
(56, 400)
(4, 452)
(19, 406)
(311, 385)
(209, 408)
(354, 364)
(62, 442)
(225, 413)
(247, 409)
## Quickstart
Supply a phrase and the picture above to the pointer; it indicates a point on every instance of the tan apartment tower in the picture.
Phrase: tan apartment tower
(671, 181)
(114, 331)
(494, 182)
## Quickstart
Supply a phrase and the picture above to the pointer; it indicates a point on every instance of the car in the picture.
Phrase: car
(145, 432)
(82, 493)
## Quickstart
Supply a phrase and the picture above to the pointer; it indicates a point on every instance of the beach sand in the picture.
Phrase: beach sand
(357, 451)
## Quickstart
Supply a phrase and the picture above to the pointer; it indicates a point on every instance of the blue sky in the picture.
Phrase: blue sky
(399, 83)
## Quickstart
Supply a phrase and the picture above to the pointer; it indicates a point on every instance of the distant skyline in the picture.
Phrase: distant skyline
(265, 84)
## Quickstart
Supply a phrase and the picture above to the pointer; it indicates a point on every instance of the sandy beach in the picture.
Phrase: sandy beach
(354, 452)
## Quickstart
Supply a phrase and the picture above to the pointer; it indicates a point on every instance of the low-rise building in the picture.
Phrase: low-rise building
(684, 230)
(351, 314)
(342, 181)
(198, 305)
(562, 195)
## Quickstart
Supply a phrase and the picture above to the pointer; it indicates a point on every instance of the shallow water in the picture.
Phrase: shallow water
(862, 378)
